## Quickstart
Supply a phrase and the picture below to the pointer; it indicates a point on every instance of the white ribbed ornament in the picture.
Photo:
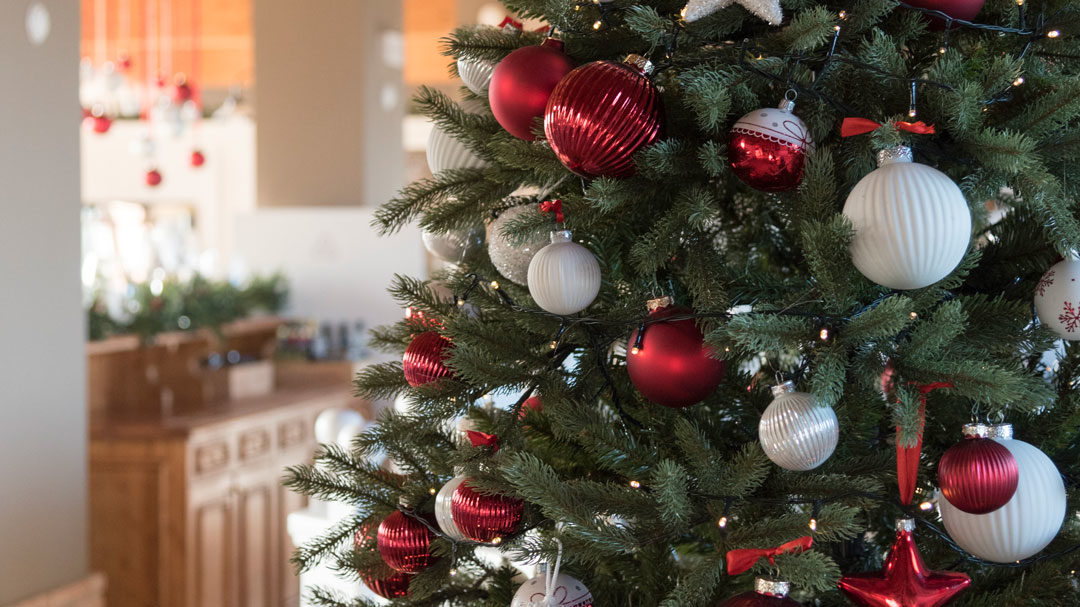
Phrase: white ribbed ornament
(513, 261)
(912, 224)
(442, 508)
(1057, 299)
(1024, 525)
(475, 74)
(564, 277)
(796, 433)
(445, 153)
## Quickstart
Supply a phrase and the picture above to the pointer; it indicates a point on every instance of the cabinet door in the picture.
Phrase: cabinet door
(212, 563)
(257, 542)
(290, 582)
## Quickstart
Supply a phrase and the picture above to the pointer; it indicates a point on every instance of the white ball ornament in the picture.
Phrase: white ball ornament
(445, 153)
(512, 261)
(443, 500)
(453, 245)
(1057, 299)
(566, 591)
(475, 74)
(564, 277)
(1027, 522)
(912, 224)
(795, 432)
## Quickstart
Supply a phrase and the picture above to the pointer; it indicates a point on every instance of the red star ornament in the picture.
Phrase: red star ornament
(905, 581)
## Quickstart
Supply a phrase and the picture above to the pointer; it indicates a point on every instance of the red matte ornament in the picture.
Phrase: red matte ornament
(153, 178)
(672, 367)
(766, 593)
(395, 585)
(905, 581)
(198, 158)
(600, 114)
(100, 124)
(405, 543)
(533, 403)
(424, 359)
(978, 475)
(767, 148)
(521, 84)
(485, 517)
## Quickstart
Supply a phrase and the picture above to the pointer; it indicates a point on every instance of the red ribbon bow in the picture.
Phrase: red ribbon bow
(509, 21)
(742, 560)
(553, 206)
(907, 458)
(860, 126)
(483, 439)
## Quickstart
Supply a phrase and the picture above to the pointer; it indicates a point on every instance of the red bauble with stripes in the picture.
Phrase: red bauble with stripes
(405, 543)
(602, 113)
(485, 517)
(391, 584)
(978, 475)
(425, 359)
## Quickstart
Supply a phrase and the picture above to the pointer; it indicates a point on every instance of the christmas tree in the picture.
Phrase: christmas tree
(860, 198)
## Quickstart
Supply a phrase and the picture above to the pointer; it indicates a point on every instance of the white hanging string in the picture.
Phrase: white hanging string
(551, 578)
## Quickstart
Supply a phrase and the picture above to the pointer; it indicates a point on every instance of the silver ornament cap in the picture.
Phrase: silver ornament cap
(640, 63)
(658, 303)
(770, 587)
(782, 388)
(900, 153)
(905, 524)
(975, 430)
(1000, 431)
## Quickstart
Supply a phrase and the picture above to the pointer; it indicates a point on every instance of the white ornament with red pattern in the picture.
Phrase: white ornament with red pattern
(1057, 299)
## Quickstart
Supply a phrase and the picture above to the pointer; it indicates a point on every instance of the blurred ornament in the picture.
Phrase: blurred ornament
(766, 10)
(766, 593)
(564, 277)
(182, 90)
(153, 178)
(142, 145)
(452, 246)
(600, 114)
(485, 518)
(957, 9)
(330, 422)
(390, 586)
(533, 403)
(904, 581)
(405, 543)
(475, 74)
(912, 224)
(978, 474)
(564, 591)
(672, 365)
(513, 261)
(425, 359)
(767, 148)
(99, 122)
(197, 158)
(1024, 525)
(795, 432)
(445, 153)
(1057, 299)
(521, 84)
(443, 512)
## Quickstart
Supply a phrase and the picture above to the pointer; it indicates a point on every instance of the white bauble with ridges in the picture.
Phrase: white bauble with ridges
(1023, 526)
(475, 74)
(444, 153)
(564, 277)
(512, 261)
(795, 432)
(1057, 299)
(912, 224)
(442, 508)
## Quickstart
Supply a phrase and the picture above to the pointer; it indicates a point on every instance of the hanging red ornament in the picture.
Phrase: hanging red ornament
(766, 593)
(521, 84)
(197, 158)
(425, 359)
(670, 364)
(978, 475)
(153, 178)
(100, 123)
(905, 581)
(957, 9)
(393, 584)
(907, 456)
(533, 403)
(767, 148)
(405, 543)
(485, 518)
(182, 90)
(601, 113)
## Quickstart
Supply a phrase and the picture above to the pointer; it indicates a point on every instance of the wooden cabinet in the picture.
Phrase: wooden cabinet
(190, 511)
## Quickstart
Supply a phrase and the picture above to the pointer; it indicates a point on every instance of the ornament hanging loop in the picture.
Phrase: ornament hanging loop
(912, 111)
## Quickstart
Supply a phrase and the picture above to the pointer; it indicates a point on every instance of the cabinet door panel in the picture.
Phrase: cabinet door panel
(213, 564)
(256, 526)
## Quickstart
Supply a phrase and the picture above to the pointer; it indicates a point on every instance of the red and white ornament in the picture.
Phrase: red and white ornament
(977, 475)
(521, 84)
(564, 277)
(1057, 299)
(425, 359)
(485, 518)
(767, 148)
(444, 515)
(405, 543)
(672, 366)
(766, 593)
(565, 591)
(602, 113)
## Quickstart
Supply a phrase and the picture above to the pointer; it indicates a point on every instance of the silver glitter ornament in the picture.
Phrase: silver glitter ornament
(795, 432)
(452, 246)
(513, 261)
(766, 10)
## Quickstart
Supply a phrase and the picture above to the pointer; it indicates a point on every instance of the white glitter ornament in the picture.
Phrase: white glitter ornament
(513, 261)
(912, 224)
(442, 508)
(564, 277)
(1027, 522)
(766, 10)
(453, 245)
(1057, 299)
(796, 433)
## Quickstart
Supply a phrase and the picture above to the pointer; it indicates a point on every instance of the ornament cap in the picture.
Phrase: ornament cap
(782, 388)
(640, 63)
(770, 587)
(1001, 431)
(659, 303)
(975, 430)
(561, 236)
(553, 43)
(905, 524)
(786, 105)
(900, 153)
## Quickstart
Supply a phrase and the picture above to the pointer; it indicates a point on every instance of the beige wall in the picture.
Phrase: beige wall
(42, 413)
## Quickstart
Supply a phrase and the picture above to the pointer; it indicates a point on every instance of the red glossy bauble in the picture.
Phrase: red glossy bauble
(766, 593)
(978, 475)
(405, 543)
(425, 359)
(673, 367)
(153, 178)
(198, 158)
(182, 92)
(599, 115)
(533, 403)
(393, 584)
(767, 148)
(100, 124)
(957, 9)
(484, 517)
(521, 84)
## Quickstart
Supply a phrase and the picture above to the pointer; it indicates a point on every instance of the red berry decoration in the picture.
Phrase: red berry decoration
(767, 148)
(424, 360)
(600, 114)
(405, 543)
(670, 364)
(521, 84)
(391, 586)
(766, 593)
(198, 158)
(978, 475)
(485, 517)
(153, 178)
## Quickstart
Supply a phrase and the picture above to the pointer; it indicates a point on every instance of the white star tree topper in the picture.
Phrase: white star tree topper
(767, 10)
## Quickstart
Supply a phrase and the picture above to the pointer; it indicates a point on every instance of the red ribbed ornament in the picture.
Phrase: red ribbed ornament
(390, 586)
(521, 84)
(424, 359)
(672, 367)
(978, 475)
(600, 114)
(405, 543)
(484, 517)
